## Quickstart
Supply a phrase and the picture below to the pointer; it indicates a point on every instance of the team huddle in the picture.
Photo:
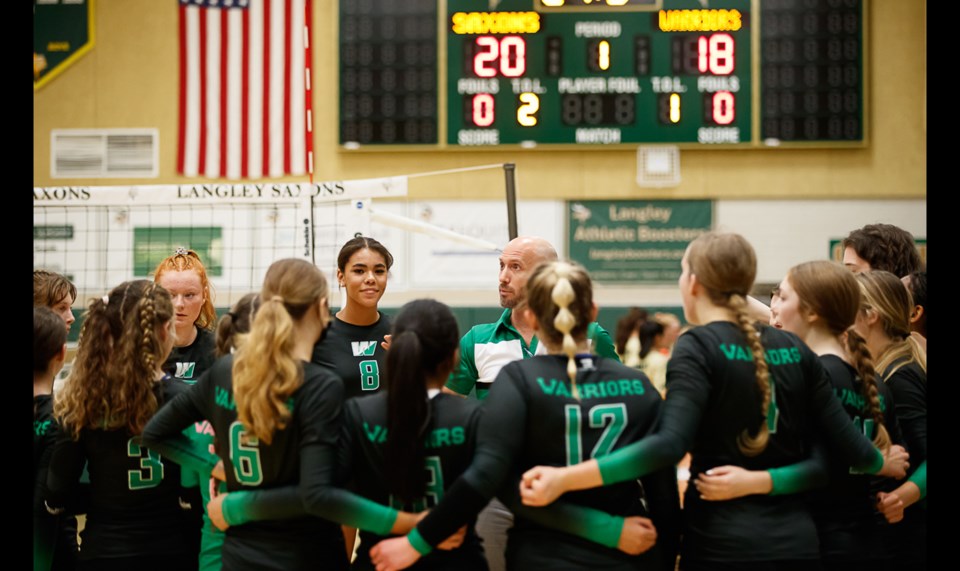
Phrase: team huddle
(284, 436)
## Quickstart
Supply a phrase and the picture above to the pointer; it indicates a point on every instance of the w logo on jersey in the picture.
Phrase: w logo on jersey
(363, 348)
(185, 370)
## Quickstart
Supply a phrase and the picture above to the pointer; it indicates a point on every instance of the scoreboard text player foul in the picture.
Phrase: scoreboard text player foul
(542, 73)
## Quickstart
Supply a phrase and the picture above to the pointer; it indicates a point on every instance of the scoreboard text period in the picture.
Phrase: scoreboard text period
(534, 73)
(597, 73)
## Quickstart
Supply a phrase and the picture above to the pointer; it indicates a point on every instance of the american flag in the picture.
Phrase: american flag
(244, 89)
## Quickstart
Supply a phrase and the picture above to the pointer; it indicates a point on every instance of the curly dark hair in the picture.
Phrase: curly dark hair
(885, 247)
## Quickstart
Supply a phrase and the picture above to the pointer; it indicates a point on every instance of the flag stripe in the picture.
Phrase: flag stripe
(192, 112)
(277, 89)
(267, 60)
(182, 133)
(297, 128)
(244, 88)
(308, 87)
(202, 160)
(257, 67)
(224, 82)
(287, 57)
(234, 92)
(245, 99)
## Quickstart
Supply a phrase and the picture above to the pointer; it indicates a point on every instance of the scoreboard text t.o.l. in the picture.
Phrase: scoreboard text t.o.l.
(541, 73)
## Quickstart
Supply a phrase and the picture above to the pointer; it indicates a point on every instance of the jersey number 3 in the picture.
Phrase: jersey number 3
(150, 473)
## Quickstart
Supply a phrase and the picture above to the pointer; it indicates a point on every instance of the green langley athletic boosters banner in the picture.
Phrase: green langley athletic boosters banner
(634, 241)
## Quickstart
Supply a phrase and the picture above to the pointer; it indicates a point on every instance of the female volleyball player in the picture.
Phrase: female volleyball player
(277, 418)
(54, 535)
(819, 301)
(556, 409)
(355, 347)
(724, 408)
(884, 321)
(116, 385)
(185, 277)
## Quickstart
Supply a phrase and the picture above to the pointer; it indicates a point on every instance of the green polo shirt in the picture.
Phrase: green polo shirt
(487, 347)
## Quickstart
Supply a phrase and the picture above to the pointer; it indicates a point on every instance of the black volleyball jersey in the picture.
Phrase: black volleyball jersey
(908, 385)
(450, 440)
(290, 543)
(134, 494)
(531, 417)
(712, 396)
(189, 362)
(354, 353)
(54, 536)
(845, 510)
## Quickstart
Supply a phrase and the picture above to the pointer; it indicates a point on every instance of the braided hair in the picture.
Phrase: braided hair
(560, 294)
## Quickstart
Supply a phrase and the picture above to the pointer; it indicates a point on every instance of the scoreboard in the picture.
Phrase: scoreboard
(593, 73)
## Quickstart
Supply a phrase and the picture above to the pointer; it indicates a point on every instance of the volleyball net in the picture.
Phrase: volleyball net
(100, 236)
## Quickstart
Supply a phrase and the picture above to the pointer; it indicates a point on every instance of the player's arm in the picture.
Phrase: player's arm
(503, 417)
(841, 435)
(679, 420)
(758, 310)
(591, 524)
(601, 342)
(164, 432)
(892, 504)
(464, 376)
(319, 492)
(729, 482)
(63, 473)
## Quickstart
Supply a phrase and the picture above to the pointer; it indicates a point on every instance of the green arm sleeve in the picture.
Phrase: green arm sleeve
(167, 431)
(919, 478)
(602, 342)
(185, 452)
(802, 476)
(254, 505)
(339, 505)
(288, 502)
(678, 425)
(590, 524)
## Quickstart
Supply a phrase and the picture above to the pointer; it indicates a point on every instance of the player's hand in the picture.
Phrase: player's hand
(454, 541)
(891, 506)
(215, 512)
(541, 485)
(895, 463)
(729, 482)
(637, 535)
(218, 472)
(393, 554)
(386, 342)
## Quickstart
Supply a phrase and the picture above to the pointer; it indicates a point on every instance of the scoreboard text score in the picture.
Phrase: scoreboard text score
(599, 72)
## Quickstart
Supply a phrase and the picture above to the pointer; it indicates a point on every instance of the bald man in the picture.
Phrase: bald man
(487, 347)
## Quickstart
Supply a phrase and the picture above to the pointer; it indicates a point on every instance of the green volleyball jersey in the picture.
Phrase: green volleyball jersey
(486, 348)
